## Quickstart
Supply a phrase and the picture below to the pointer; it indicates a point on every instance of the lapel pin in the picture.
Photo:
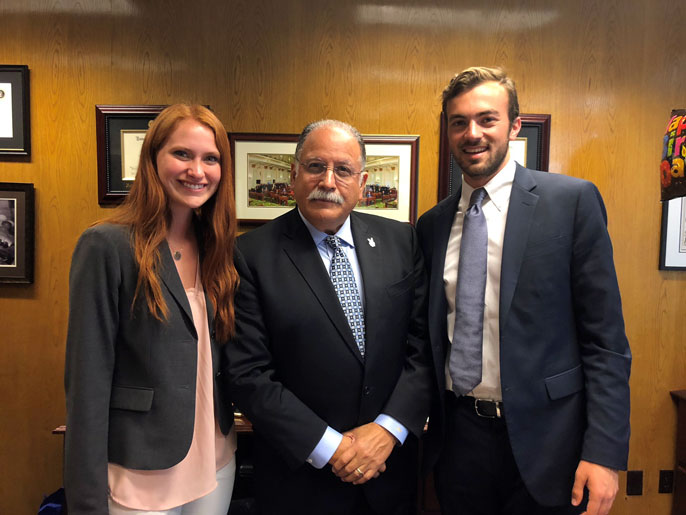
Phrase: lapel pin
(371, 241)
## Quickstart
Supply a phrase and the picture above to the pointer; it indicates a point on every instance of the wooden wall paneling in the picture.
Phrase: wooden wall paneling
(259, 64)
(410, 99)
(659, 351)
(607, 72)
(232, 84)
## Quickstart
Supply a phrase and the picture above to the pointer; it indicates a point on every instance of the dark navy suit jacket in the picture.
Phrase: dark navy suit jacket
(564, 356)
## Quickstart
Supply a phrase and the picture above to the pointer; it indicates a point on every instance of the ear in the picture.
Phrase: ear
(293, 173)
(515, 128)
(363, 183)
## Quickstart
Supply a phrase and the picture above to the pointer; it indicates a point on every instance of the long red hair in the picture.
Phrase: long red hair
(146, 211)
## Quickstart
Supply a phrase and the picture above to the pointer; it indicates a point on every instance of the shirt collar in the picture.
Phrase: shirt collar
(345, 233)
(498, 188)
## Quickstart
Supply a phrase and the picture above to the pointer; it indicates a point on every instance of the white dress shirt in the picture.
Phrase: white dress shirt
(331, 438)
(495, 208)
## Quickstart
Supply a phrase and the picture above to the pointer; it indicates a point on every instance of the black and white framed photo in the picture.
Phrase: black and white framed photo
(16, 232)
(15, 116)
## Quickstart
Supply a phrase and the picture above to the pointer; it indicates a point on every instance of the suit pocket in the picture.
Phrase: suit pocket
(131, 398)
(546, 246)
(565, 383)
(398, 288)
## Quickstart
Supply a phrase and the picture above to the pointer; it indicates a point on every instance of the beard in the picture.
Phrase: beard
(486, 169)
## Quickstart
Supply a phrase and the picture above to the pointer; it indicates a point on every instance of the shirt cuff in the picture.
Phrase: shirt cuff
(326, 447)
(392, 426)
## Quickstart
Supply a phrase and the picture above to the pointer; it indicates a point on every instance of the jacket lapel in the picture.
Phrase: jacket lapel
(438, 305)
(369, 252)
(301, 250)
(172, 281)
(523, 202)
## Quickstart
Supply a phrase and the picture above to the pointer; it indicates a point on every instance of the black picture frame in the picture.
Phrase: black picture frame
(112, 123)
(535, 129)
(15, 136)
(673, 235)
(16, 232)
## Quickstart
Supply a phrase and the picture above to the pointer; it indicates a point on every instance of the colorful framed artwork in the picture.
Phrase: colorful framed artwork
(262, 167)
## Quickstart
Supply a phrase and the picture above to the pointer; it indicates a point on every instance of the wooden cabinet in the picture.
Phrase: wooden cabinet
(679, 503)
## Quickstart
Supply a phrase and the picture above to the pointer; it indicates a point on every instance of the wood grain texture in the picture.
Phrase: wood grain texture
(608, 71)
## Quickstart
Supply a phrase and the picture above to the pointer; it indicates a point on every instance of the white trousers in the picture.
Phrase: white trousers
(215, 503)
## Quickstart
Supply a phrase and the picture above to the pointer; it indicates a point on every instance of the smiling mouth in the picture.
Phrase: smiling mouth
(192, 186)
(474, 150)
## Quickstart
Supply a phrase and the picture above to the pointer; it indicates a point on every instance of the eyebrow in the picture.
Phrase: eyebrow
(481, 113)
(336, 161)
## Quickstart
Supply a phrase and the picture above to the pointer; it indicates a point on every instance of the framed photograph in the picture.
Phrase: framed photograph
(673, 235)
(16, 232)
(262, 168)
(15, 118)
(120, 131)
(531, 149)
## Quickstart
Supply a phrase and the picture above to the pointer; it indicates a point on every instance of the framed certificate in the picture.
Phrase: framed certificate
(131, 145)
(673, 235)
(120, 131)
(15, 119)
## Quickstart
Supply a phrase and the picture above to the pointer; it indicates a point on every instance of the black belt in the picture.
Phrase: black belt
(483, 407)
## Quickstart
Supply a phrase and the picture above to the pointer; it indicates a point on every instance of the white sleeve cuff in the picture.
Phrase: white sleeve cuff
(392, 426)
(326, 447)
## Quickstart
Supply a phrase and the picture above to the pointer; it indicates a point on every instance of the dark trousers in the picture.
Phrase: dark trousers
(309, 491)
(476, 473)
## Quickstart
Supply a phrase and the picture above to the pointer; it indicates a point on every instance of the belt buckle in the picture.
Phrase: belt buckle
(498, 412)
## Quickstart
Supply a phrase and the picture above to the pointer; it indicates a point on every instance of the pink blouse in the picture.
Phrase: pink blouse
(195, 475)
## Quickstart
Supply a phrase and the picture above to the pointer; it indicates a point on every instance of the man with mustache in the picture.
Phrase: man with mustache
(531, 361)
(330, 361)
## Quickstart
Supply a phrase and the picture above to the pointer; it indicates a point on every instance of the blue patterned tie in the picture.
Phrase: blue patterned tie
(344, 283)
(465, 354)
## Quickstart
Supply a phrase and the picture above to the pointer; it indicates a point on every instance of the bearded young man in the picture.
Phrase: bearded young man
(531, 361)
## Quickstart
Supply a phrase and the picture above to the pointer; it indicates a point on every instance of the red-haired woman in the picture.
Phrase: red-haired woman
(150, 302)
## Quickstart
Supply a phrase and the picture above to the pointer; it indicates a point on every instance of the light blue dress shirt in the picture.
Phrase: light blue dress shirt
(331, 439)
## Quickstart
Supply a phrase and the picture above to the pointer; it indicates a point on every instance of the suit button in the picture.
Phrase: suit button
(366, 390)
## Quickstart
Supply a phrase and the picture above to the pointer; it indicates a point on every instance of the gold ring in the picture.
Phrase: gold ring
(359, 471)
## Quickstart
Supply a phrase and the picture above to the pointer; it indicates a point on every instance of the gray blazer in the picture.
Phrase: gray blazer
(129, 378)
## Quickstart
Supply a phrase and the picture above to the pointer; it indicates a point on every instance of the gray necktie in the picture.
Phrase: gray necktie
(344, 283)
(465, 353)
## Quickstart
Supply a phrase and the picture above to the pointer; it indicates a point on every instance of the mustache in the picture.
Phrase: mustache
(328, 196)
